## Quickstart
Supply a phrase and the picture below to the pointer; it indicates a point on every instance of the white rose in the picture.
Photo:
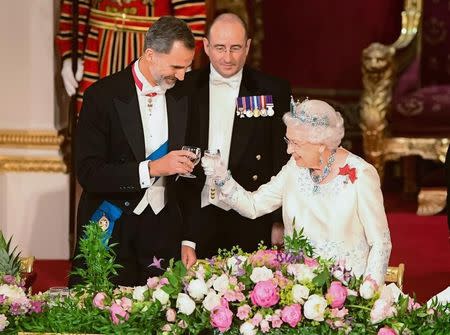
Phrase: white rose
(166, 328)
(261, 274)
(221, 283)
(210, 281)
(200, 273)
(12, 292)
(197, 289)
(3, 322)
(232, 263)
(138, 292)
(314, 307)
(302, 272)
(299, 293)
(247, 329)
(367, 289)
(185, 304)
(161, 296)
(212, 300)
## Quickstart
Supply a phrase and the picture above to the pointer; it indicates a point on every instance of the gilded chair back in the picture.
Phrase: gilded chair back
(394, 274)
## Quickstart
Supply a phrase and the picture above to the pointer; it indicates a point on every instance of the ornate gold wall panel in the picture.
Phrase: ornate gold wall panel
(31, 139)
(29, 164)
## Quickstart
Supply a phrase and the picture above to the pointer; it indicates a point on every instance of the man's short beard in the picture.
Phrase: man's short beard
(163, 84)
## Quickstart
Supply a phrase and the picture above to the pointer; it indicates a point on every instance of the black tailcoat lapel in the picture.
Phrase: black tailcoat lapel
(177, 118)
(242, 127)
(127, 106)
(203, 110)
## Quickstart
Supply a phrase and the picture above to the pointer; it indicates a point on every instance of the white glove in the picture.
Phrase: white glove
(70, 81)
(214, 168)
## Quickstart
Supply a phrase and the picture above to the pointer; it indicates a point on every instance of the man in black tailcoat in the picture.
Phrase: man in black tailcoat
(237, 110)
(127, 141)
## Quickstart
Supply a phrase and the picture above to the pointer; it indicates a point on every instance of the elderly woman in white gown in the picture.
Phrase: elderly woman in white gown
(332, 194)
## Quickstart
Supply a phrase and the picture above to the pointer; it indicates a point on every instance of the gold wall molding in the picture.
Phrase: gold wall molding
(31, 139)
(31, 164)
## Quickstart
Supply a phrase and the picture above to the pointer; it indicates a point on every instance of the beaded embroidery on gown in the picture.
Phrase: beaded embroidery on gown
(343, 219)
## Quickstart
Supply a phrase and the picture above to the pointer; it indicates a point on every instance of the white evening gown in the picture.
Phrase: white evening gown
(343, 220)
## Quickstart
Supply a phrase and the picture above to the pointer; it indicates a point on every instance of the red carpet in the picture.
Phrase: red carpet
(422, 243)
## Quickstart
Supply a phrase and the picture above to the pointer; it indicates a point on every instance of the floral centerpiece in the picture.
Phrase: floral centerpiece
(270, 291)
(15, 303)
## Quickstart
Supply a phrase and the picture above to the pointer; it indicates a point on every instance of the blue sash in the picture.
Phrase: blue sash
(160, 152)
(112, 214)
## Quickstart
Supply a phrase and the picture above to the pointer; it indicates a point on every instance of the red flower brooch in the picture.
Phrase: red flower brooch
(348, 171)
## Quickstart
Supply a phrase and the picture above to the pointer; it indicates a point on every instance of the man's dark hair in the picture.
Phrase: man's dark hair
(164, 32)
(218, 17)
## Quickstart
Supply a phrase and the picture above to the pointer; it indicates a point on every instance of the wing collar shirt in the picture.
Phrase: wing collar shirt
(223, 93)
(156, 132)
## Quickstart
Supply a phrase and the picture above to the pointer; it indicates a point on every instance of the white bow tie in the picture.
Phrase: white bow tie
(231, 82)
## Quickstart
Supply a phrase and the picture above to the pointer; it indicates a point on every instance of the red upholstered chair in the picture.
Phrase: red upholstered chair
(405, 107)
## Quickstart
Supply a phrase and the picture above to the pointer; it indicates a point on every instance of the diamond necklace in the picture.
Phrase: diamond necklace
(316, 178)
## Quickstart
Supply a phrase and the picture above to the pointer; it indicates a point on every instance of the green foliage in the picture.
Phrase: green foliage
(298, 242)
(9, 259)
(174, 274)
(99, 261)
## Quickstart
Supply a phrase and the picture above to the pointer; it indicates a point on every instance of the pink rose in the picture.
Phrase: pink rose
(126, 303)
(281, 280)
(267, 258)
(276, 321)
(99, 300)
(36, 306)
(339, 313)
(221, 318)
(152, 282)
(171, 315)
(412, 305)
(386, 331)
(265, 294)
(9, 279)
(243, 312)
(336, 294)
(292, 314)
(311, 262)
(118, 314)
(256, 319)
(264, 325)
(163, 281)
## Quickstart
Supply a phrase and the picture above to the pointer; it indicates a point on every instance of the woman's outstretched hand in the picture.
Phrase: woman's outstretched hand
(214, 168)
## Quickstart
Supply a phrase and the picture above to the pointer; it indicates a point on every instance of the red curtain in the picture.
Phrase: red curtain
(318, 44)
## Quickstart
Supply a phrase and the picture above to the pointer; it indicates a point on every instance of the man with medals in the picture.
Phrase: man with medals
(128, 135)
(227, 100)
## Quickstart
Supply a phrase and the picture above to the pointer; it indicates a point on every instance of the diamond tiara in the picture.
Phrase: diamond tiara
(305, 117)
